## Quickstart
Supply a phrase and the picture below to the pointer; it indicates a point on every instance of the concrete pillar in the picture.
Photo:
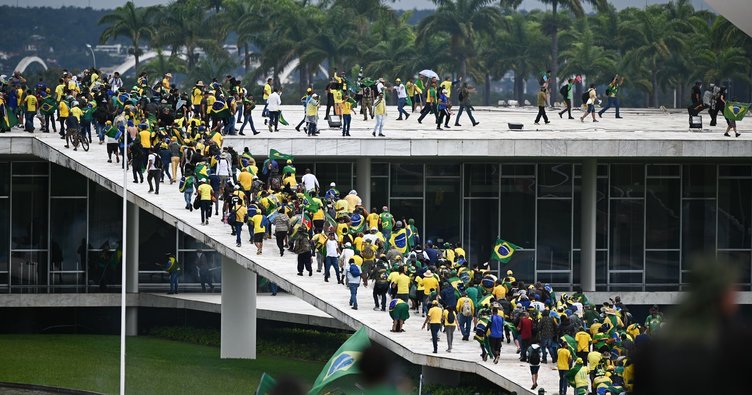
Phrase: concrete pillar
(238, 334)
(439, 376)
(363, 186)
(131, 268)
(587, 221)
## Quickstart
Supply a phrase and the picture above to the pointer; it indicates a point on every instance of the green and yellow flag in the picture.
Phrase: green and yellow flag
(343, 362)
(735, 111)
(9, 120)
(48, 106)
(503, 251)
(276, 155)
(266, 384)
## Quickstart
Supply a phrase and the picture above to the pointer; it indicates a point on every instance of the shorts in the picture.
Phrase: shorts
(112, 148)
(534, 369)
(731, 123)
(590, 108)
(258, 237)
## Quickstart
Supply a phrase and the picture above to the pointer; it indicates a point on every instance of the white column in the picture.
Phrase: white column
(238, 338)
(364, 181)
(131, 268)
(588, 212)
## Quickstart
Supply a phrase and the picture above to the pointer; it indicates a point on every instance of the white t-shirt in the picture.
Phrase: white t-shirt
(347, 253)
(310, 182)
(223, 167)
(379, 88)
(274, 102)
(331, 248)
(153, 158)
(401, 91)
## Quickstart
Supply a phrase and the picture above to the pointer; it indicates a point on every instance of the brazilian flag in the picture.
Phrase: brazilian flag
(48, 106)
(8, 120)
(357, 223)
(343, 362)
(735, 111)
(282, 119)
(311, 205)
(276, 155)
(571, 344)
(399, 241)
(219, 110)
(503, 251)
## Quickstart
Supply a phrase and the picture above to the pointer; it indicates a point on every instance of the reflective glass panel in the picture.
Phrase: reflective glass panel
(105, 217)
(66, 182)
(554, 242)
(627, 180)
(662, 214)
(29, 213)
(698, 229)
(155, 239)
(68, 246)
(481, 180)
(662, 267)
(407, 180)
(518, 211)
(698, 181)
(555, 180)
(480, 229)
(734, 213)
(443, 206)
(626, 246)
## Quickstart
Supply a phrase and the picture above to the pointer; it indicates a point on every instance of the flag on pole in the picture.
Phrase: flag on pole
(266, 384)
(503, 251)
(276, 155)
(342, 363)
(735, 111)
(9, 120)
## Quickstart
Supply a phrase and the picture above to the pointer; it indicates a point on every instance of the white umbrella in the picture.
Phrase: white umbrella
(429, 74)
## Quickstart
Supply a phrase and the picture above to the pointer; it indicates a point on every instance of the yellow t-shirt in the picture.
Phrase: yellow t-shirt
(267, 91)
(76, 112)
(562, 358)
(372, 220)
(430, 283)
(380, 107)
(346, 108)
(196, 96)
(257, 227)
(290, 181)
(205, 191)
(445, 319)
(403, 284)
(245, 179)
(583, 340)
(145, 137)
(63, 110)
(337, 94)
(59, 92)
(31, 103)
(240, 212)
(593, 359)
(499, 292)
(435, 315)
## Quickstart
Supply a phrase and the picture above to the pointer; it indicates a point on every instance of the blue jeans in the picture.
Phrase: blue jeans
(353, 294)
(563, 382)
(187, 195)
(230, 125)
(331, 261)
(612, 101)
(401, 108)
(30, 121)
(387, 234)
(86, 130)
(174, 281)
(274, 119)
(465, 325)
(548, 345)
(248, 120)
(238, 230)
(273, 287)
(469, 110)
(100, 130)
(346, 124)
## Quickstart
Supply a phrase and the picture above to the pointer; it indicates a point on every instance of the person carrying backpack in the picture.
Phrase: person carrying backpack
(380, 276)
(534, 358)
(353, 282)
(465, 313)
(566, 92)
(450, 323)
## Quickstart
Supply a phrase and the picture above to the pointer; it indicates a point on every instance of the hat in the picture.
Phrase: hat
(168, 75)
(332, 185)
(200, 83)
(509, 273)
(289, 161)
(428, 273)
(381, 80)
(579, 360)
(353, 192)
(435, 303)
(398, 80)
(309, 90)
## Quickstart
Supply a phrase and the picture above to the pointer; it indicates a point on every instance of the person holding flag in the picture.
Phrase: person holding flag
(732, 111)
(47, 108)
(503, 251)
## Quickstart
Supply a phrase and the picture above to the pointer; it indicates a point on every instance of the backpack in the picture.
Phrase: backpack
(354, 270)
(585, 97)
(467, 308)
(382, 278)
(608, 90)
(158, 162)
(564, 91)
(369, 253)
(534, 357)
(302, 246)
(450, 316)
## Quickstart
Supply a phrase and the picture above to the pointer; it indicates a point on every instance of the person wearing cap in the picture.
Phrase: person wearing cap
(380, 86)
(332, 194)
(399, 88)
(304, 102)
(379, 109)
(205, 195)
(430, 284)
(346, 108)
(172, 267)
(443, 106)
(433, 319)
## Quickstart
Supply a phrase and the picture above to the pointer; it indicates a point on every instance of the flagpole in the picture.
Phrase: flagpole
(123, 263)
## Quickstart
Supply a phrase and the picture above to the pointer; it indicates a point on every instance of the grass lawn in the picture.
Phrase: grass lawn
(153, 366)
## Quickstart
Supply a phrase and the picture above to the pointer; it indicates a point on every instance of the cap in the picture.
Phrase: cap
(509, 273)
(315, 95)
(168, 75)
(435, 303)
(398, 80)
(200, 83)
(332, 185)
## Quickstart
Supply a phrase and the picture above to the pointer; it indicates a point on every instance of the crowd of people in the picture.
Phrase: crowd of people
(334, 234)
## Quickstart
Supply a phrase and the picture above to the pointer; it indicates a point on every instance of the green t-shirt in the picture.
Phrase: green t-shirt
(387, 220)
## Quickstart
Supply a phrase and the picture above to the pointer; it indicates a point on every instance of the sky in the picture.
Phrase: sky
(399, 4)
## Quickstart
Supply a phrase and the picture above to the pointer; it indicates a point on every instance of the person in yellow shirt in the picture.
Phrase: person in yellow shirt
(197, 95)
(372, 220)
(63, 112)
(240, 218)
(290, 183)
(245, 179)
(430, 284)
(166, 82)
(403, 284)
(379, 109)
(346, 108)
(449, 322)
(338, 99)
(259, 230)
(145, 136)
(30, 104)
(60, 90)
(206, 196)
(499, 291)
(563, 362)
(583, 340)
(265, 96)
(433, 319)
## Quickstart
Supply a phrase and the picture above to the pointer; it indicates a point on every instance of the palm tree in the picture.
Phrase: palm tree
(651, 39)
(464, 21)
(552, 27)
(129, 21)
(162, 64)
(188, 25)
(584, 56)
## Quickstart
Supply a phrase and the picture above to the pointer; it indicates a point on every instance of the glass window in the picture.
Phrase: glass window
(28, 270)
(663, 170)
(480, 229)
(379, 192)
(602, 170)
(68, 246)
(338, 173)
(662, 213)
(555, 180)
(518, 208)
(379, 169)
(662, 267)
(4, 179)
(735, 171)
(481, 180)
(698, 229)
(601, 258)
(66, 182)
(557, 280)
(4, 235)
(634, 280)
(516, 170)
(443, 205)
(105, 217)
(698, 181)
(104, 269)
(443, 170)
(741, 261)
(190, 263)
(407, 180)
(626, 245)
(734, 211)
(187, 242)
(601, 215)
(403, 209)
(31, 168)
(627, 180)
(522, 264)
(155, 239)
(554, 242)
(29, 213)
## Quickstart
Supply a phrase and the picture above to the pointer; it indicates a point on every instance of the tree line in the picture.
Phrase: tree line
(660, 49)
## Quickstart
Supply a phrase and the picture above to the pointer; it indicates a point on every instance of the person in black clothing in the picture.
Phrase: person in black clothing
(697, 106)
(332, 86)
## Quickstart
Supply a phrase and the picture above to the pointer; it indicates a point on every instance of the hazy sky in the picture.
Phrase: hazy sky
(400, 4)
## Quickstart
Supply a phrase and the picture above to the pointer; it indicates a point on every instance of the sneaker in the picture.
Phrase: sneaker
(373, 134)
(381, 135)
(738, 134)
(496, 360)
(534, 386)
(561, 115)
(300, 274)
(595, 120)
(547, 122)
(398, 119)
(407, 116)
(446, 127)
(619, 117)
(237, 245)
(376, 308)
(600, 115)
(476, 124)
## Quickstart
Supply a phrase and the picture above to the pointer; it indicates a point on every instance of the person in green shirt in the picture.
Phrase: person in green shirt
(612, 94)
(387, 222)
(654, 320)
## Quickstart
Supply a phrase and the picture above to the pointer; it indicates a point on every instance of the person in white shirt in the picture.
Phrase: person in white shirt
(309, 181)
(380, 86)
(154, 172)
(115, 82)
(401, 99)
(332, 254)
(347, 253)
(353, 282)
(273, 107)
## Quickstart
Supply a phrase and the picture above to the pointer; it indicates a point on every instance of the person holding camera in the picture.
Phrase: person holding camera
(612, 92)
